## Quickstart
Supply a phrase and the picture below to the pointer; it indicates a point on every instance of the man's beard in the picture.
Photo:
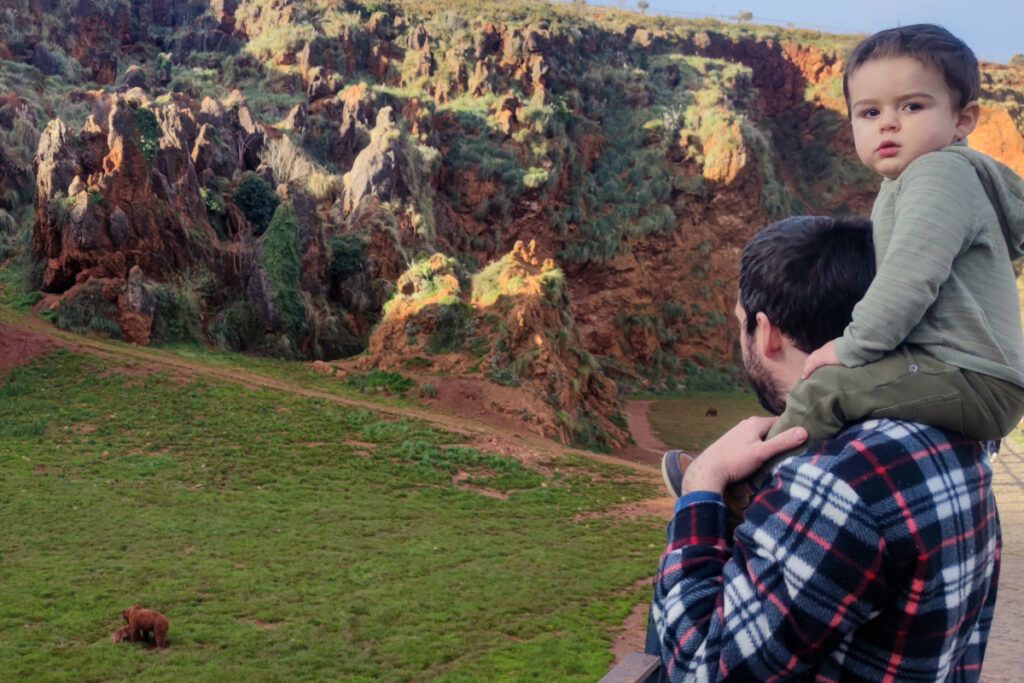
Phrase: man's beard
(770, 395)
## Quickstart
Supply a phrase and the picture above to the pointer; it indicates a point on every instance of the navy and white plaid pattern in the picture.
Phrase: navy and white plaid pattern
(873, 557)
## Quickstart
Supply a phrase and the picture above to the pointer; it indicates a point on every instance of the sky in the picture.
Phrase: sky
(994, 29)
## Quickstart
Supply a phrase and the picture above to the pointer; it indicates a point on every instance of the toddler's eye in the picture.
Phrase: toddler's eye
(868, 113)
(913, 106)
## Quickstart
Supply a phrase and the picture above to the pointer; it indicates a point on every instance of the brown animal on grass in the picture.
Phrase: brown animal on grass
(711, 412)
(122, 635)
(142, 622)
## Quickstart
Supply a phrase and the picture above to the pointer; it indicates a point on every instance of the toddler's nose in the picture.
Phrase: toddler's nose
(889, 121)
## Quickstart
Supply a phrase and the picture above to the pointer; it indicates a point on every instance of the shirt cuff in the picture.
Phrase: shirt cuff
(694, 497)
(848, 354)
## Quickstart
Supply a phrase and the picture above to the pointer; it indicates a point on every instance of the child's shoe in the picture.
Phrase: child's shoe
(672, 472)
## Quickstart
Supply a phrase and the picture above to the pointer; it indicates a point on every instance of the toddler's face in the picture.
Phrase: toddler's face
(901, 109)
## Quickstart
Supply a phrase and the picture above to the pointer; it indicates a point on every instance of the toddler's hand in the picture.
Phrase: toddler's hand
(826, 355)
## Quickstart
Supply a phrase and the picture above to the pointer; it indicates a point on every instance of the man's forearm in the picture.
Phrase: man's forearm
(688, 584)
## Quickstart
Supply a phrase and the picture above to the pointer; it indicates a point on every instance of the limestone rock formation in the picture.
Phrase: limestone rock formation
(312, 249)
(44, 61)
(355, 117)
(138, 305)
(511, 326)
(377, 171)
(111, 198)
(211, 153)
(637, 155)
(134, 77)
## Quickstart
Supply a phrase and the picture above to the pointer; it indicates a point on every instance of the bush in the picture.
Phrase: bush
(149, 134)
(59, 208)
(258, 202)
(453, 324)
(237, 328)
(176, 318)
(216, 210)
(325, 334)
(324, 186)
(711, 379)
(378, 380)
(348, 254)
(281, 261)
(502, 372)
(286, 160)
(26, 301)
(588, 434)
(535, 177)
(88, 311)
(672, 310)
(213, 200)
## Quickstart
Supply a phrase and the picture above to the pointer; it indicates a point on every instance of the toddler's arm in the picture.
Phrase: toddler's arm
(935, 221)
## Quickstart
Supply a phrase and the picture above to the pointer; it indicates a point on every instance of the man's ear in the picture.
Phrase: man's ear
(967, 119)
(767, 336)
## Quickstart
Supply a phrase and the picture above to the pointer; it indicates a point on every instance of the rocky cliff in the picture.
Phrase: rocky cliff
(267, 176)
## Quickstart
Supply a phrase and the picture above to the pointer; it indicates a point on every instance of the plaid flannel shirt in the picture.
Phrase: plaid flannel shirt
(873, 556)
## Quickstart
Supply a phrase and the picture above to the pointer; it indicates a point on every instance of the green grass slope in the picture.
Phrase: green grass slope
(290, 538)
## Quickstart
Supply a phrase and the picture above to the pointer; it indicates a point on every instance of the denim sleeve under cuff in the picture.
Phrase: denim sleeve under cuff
(694, 497)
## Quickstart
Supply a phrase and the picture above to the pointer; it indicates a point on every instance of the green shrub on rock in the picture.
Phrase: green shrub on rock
(149, 134)
(281, 260)
(453, 325)
(258, 202)
(89, 311)
(238, 327)
(348, 254)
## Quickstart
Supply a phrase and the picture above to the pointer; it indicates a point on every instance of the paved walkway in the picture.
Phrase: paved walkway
(1004, 658)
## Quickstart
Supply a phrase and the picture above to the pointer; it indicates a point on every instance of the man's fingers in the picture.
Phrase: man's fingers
(780, 443)
(760, 424)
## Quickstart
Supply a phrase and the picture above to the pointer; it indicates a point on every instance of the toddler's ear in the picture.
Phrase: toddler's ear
(967, 119)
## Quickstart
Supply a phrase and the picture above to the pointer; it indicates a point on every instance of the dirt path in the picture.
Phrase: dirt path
(28, 337)
(647, 448)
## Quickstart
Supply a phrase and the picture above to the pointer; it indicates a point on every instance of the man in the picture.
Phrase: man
(871, 556)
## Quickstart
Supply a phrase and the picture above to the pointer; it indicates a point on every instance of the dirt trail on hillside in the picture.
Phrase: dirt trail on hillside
(30, 338)
(646, 447)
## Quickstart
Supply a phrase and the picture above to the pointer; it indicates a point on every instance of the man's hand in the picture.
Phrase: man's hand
(826, 355)
(738, 454)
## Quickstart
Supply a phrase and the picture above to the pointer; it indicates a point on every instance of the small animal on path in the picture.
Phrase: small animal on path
(711, 412)
(142, 622)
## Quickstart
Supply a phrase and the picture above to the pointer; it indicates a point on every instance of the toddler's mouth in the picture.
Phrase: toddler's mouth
(888, 148)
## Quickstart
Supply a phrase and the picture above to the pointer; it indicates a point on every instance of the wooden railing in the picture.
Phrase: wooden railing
(635, 668)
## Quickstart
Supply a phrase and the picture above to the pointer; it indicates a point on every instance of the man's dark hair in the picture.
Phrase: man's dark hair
(806, 274)
(929, 44)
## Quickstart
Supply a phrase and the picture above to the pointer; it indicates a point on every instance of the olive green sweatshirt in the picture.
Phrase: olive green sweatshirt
(945, 232)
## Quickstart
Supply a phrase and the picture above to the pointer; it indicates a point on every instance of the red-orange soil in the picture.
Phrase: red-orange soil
(18, 346)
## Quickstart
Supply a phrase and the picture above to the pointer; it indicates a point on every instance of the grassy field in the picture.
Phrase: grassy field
(682, 422)
(288, 538)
